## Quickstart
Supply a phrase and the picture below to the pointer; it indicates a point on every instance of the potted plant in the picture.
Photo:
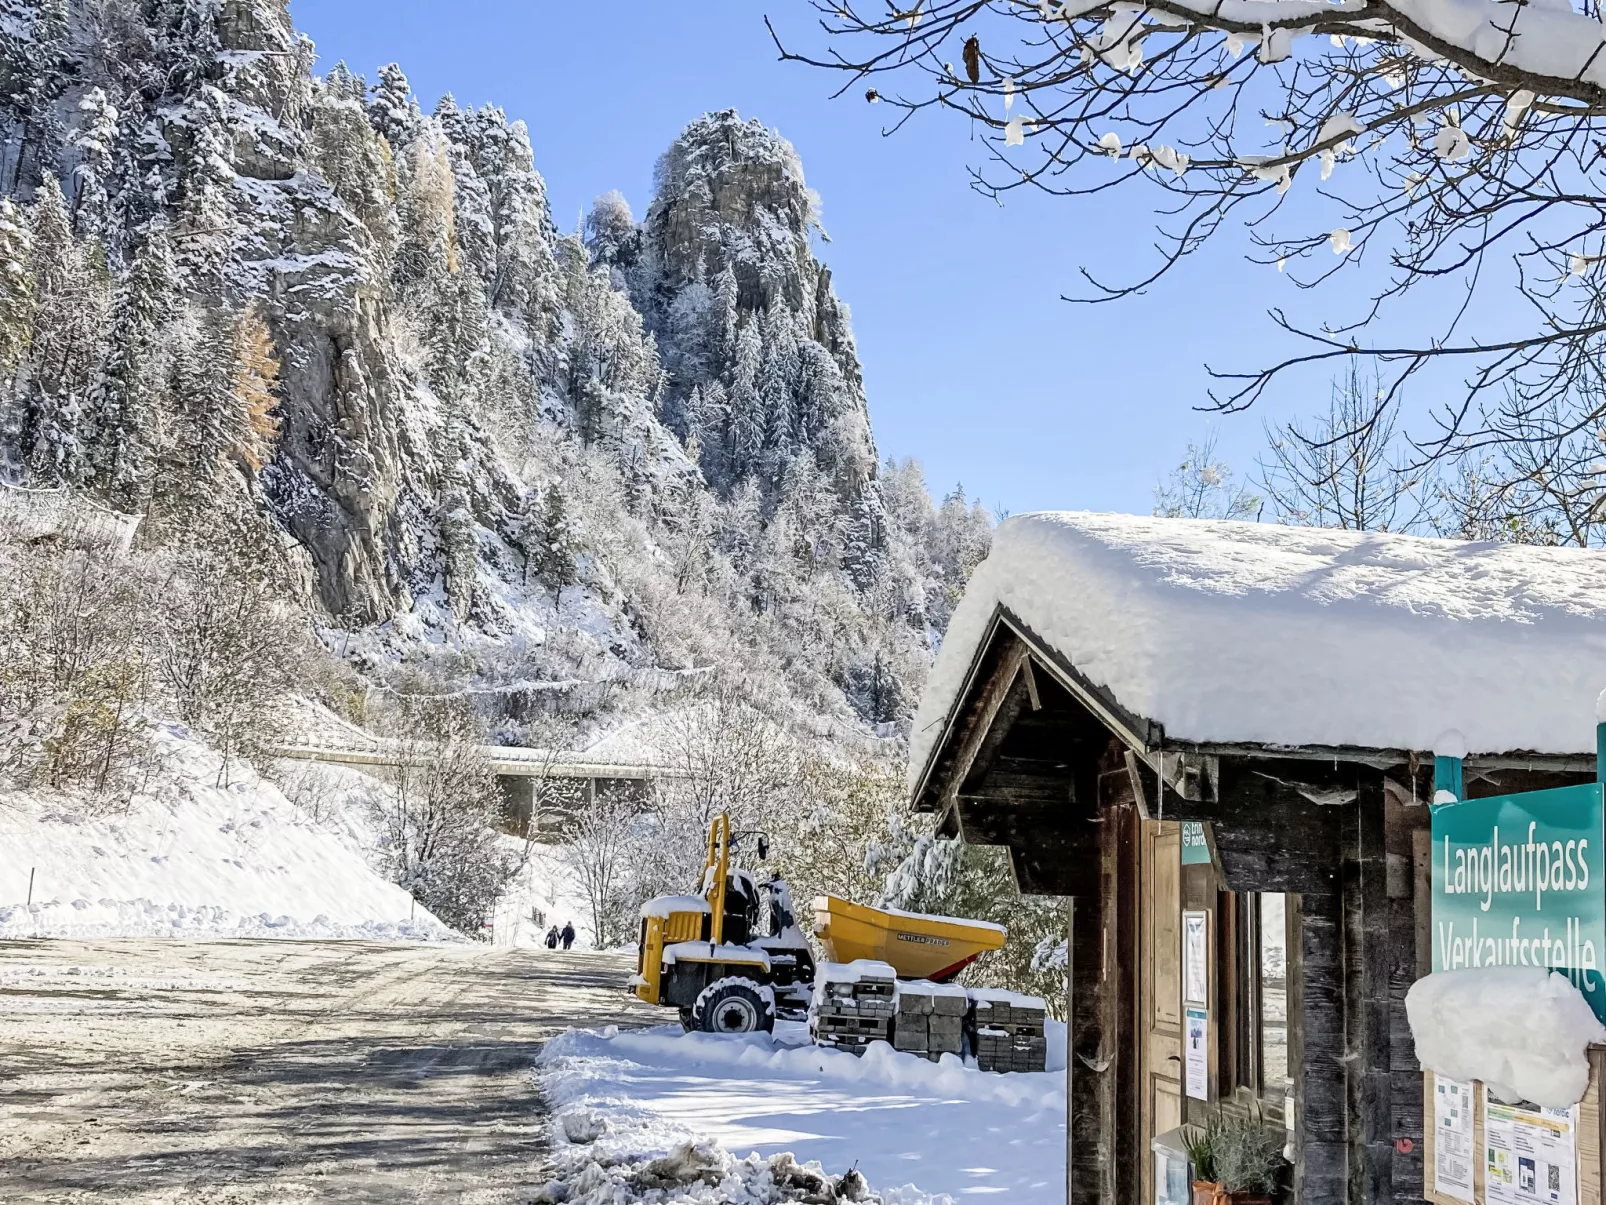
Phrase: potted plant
(1247, 1160)
(1236, 1161)
(1199, 1142)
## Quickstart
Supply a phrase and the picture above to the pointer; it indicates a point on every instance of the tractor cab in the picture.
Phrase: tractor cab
(741, 908)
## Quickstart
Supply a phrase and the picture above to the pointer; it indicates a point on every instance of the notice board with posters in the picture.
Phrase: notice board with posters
(1524, 1185)
(1520, 880)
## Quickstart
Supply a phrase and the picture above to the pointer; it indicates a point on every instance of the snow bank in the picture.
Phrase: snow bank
(192, 859)
(1521, 1030)
(954, 1130)
(1254, 632)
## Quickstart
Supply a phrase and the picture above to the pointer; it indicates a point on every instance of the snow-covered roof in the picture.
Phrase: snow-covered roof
(1264, 634)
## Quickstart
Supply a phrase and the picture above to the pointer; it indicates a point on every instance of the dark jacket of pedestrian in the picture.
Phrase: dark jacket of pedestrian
(552, 938)
(568, 935)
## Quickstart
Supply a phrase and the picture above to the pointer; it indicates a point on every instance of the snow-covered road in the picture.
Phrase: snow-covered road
(257, 1072)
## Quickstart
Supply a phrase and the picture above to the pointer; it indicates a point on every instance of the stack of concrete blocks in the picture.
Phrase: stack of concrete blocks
(1006, 1031)
(930, 1019)
(854, 1004)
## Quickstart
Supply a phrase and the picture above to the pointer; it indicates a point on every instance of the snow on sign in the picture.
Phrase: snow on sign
(1520, 880)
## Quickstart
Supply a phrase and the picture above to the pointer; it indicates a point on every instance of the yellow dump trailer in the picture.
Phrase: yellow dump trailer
(917, 947)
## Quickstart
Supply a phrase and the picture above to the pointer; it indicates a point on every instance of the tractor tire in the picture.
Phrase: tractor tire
(734, 1006)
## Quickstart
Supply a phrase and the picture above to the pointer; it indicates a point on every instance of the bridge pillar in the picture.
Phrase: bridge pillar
(518, 803)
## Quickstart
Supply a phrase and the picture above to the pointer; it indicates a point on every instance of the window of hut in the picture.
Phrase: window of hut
(1273, 991)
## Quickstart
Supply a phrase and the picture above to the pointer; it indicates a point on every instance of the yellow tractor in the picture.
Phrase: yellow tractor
(732, 958)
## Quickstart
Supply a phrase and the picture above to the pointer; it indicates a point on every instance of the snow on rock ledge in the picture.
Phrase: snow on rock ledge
(1523, 1031)
(1253, 632)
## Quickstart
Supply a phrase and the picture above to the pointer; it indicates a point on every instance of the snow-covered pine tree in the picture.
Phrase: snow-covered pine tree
(520, 270)
(212, 431)
(455, 334)
(777, 392)
(354, 160)
(426, 208)
(43, 46)
(748, 418)
(129, 396)
(393, 114)
(555, 543)
(16, 289)
(203, 236)
(70, 295)
(96, 141)
(611, 234)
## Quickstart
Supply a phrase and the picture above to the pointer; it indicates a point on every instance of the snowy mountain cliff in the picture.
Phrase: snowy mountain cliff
(304, 324)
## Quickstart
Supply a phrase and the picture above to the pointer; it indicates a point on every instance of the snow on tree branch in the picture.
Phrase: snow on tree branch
(1454, 145)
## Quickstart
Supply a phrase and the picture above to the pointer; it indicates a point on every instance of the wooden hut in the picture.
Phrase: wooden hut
(1217, 738)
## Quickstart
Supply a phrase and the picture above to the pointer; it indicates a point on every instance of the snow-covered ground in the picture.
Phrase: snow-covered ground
(917, 1131)
(189, 858)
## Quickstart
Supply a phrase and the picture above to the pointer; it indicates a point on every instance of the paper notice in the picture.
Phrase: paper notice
(1452, 1138)
(1195, 958)
(1530, 1154)
(1196, 1054)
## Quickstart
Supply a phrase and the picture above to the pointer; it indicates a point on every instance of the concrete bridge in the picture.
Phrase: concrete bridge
(571, 779)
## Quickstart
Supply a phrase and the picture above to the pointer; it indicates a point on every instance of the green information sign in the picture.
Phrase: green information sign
(1520, 880)
(1195, 849)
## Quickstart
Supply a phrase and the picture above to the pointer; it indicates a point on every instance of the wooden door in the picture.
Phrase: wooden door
(1159, 1026)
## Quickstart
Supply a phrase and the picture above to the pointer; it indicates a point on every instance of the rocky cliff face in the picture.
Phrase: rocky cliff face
(347, 466)
(556, 456)
(726, 248)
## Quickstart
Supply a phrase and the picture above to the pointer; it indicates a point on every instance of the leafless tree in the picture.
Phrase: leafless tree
(1462, 155)
(1345, 468)
(729, 757)
(1202, 487)
(607, 845)
(439, 824)
(226, 650)
(1543, 484)
(74, 676)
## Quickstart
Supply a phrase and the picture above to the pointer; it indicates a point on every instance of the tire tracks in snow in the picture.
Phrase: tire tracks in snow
(250, 1072)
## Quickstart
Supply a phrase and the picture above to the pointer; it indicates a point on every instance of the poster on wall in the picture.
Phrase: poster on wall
(1452, 1138)
(1530, 1154)
(1195, 958)
(1196, 1053)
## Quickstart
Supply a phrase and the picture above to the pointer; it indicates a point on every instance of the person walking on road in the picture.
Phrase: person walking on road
(568, 934)
(552, 938)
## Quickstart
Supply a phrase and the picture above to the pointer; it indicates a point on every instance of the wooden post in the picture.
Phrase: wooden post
(1070, 1055)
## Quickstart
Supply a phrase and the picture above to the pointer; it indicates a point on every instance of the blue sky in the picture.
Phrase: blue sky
(973, 364)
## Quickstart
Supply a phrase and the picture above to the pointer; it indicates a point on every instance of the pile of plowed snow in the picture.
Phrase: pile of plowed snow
(660, 1115)
(191, 858)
